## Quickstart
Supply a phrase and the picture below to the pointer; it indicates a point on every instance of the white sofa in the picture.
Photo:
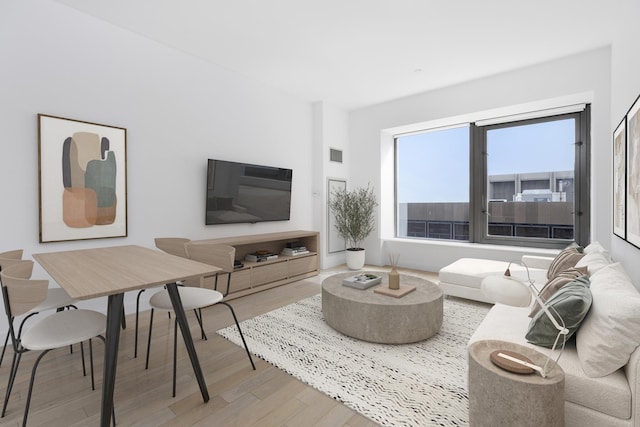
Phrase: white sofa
(611, 330)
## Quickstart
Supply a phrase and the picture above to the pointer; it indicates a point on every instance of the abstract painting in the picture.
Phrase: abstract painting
(83, 181)
(633, 174)
(619, 178)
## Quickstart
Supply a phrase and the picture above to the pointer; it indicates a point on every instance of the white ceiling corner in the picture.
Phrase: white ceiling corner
(355, 53)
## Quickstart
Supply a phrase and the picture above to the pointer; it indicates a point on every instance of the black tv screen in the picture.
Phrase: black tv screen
(242, 192)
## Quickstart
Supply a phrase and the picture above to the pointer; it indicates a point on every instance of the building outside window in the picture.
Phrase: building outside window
(432, 184)
(521, 182)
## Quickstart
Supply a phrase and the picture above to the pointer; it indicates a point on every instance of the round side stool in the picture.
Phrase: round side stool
(501, 398)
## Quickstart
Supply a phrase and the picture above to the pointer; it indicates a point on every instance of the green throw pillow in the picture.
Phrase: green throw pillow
(571, 303)
(553, 285)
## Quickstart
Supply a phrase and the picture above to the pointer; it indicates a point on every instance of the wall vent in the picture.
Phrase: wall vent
(335, 155)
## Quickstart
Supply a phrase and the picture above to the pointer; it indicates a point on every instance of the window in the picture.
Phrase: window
(432, 184)
(523, 182)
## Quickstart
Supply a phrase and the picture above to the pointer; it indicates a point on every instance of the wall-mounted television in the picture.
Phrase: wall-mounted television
(243, 192)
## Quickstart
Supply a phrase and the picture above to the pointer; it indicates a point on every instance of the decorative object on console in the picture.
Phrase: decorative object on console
(260, 256)
(353, 213)
(511, 291)
(294, 249)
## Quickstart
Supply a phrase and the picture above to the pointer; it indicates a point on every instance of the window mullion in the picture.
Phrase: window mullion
(477, 184)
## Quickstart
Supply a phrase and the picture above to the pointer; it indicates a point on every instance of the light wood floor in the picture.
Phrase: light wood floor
(239, 396)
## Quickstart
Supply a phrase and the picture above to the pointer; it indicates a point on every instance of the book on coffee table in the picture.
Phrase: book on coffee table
(362, 280)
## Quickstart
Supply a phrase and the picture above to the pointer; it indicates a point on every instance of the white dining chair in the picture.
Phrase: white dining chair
(196, 298)
(57, 299)
(172, 246)
(21, 295)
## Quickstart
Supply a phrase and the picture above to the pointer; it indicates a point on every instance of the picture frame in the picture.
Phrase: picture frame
(619, 179)
(335, 243)
(633, 175)
(82, 180)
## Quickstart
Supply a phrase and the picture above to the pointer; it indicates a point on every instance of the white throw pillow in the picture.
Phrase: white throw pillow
(595, 247)
(611, 330)
(594, 261)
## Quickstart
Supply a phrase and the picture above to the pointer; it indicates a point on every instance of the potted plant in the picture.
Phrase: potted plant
(353, 212)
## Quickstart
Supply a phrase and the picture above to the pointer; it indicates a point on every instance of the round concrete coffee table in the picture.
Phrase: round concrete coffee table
(366, 315)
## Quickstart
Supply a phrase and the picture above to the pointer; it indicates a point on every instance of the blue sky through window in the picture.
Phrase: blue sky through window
(434, 166)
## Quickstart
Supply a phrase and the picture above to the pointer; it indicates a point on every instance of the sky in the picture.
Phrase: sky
(434, 166)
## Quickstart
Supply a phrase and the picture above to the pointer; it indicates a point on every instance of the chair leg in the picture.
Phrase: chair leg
(198, 313)
(33, 376)
(124, 319)
(175, 353)
(146, 366)
(93, 383)
(84, 369)
(6, 341)
(12, 376)
(240, 331)
(135, 350)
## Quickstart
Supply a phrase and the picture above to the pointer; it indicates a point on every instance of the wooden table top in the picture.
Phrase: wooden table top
(92, 273)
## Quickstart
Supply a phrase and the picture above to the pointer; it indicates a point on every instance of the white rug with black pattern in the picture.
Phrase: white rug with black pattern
(422, 384)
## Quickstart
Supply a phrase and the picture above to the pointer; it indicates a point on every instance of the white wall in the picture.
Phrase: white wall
(625, 87)
(330, 131)
(178, 111)
(585, 76)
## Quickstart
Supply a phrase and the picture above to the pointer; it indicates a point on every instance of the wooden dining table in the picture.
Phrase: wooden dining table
(112, 271)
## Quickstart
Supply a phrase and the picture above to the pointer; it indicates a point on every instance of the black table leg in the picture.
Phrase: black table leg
(114, 317)
(181, 318)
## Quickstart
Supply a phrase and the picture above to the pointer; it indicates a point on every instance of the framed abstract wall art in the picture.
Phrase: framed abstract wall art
(633, 174)
(83, 180)
(619, 179)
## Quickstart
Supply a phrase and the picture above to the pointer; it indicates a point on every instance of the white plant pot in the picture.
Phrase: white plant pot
(355, 259)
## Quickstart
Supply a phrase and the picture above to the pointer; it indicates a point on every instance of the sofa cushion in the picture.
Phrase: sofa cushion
(470, 271)
(567, 258)
(554, 285)
(611, 330)
(594, 261)
(595, 247)
(610, 394)
(571, 304)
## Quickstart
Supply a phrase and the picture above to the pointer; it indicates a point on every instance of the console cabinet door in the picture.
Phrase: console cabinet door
(268, 273)
(240, 280)
(303, 265)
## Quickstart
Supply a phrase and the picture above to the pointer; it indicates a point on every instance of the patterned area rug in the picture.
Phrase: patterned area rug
(422, 384)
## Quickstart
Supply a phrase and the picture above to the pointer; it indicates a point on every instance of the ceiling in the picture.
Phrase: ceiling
(355, 53)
